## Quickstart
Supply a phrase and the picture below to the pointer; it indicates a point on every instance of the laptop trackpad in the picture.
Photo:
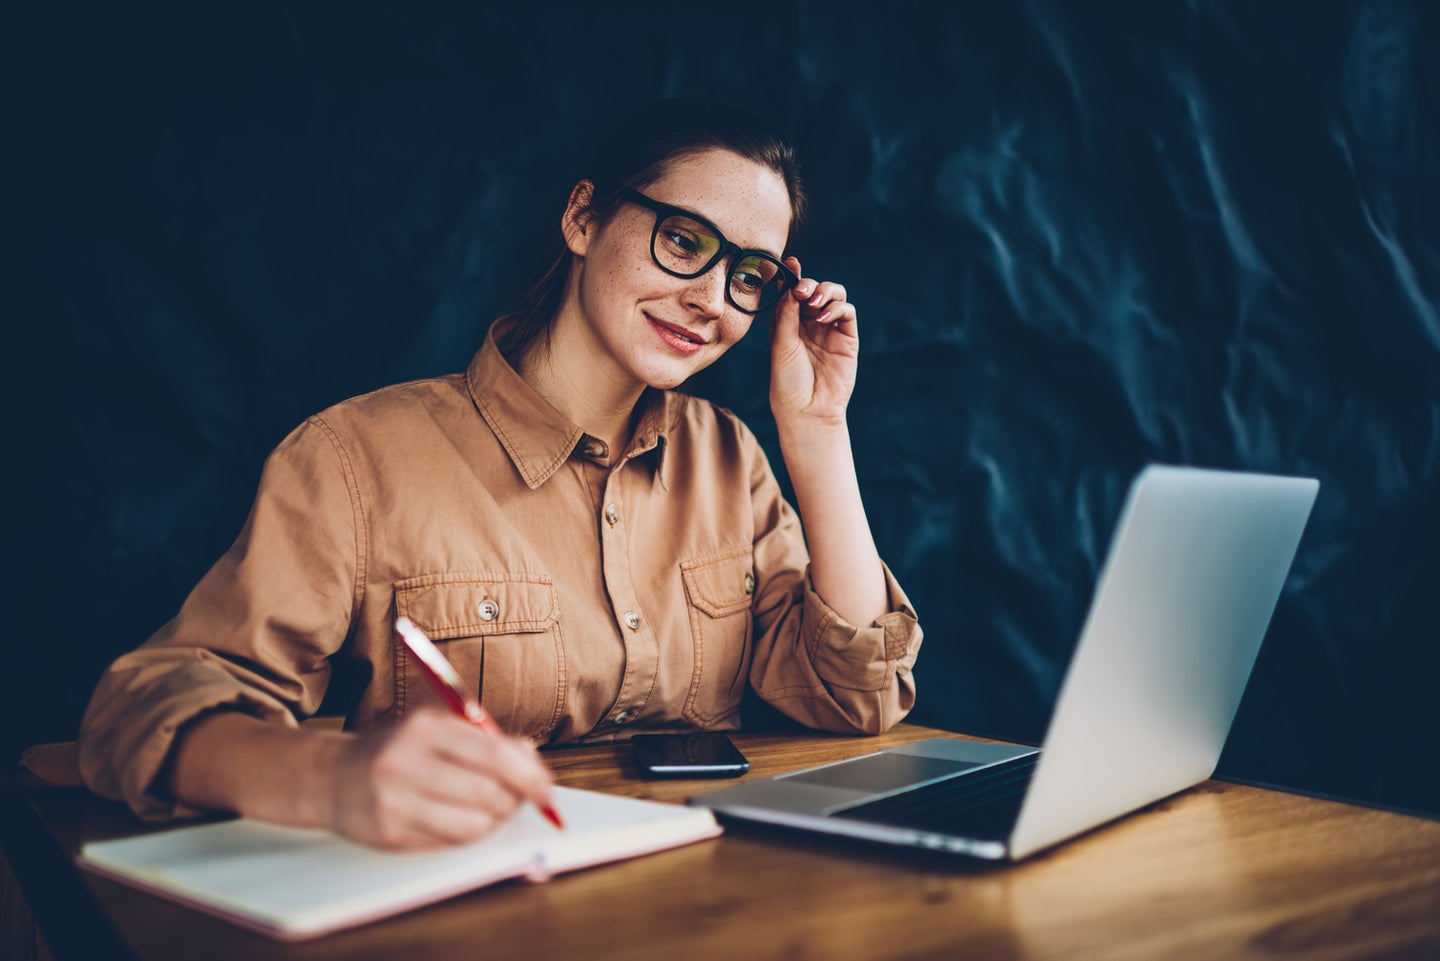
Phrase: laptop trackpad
(881, 772)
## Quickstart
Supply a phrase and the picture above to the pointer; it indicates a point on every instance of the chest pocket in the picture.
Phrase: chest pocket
(719, 588)
(502, 634)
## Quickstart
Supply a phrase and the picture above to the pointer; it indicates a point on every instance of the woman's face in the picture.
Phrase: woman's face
(655, 328)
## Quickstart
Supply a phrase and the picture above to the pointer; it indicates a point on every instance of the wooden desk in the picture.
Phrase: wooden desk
(1221, 871)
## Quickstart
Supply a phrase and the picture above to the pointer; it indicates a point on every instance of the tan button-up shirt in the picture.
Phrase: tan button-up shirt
(585, 593)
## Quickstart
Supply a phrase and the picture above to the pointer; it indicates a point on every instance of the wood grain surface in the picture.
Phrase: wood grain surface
(1220, 871)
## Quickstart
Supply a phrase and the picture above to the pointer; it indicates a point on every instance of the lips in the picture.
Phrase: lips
(676, 336)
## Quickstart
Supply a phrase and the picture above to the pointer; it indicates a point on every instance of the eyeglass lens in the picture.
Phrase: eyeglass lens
(686, 247)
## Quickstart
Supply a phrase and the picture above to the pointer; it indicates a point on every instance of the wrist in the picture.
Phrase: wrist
(231, 761)
(813, 433)
(319, 761)
(816, 448)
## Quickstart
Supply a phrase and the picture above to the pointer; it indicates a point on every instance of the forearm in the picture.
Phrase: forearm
(844, 564)
(229, 761)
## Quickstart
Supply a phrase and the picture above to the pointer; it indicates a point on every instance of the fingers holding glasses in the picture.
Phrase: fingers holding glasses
(828, 305)
(821, 302)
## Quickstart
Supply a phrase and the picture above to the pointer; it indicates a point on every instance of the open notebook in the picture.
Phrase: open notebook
(294, 883)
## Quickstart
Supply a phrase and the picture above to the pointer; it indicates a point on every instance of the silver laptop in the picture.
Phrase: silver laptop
(1181, 605)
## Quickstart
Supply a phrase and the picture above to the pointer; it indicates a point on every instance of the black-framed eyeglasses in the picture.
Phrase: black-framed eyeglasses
(686, 245)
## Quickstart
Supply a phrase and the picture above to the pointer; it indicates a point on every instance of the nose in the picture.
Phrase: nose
(706, 293)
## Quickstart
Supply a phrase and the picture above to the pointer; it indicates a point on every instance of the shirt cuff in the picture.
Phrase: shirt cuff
(861, 658)
(124, 759)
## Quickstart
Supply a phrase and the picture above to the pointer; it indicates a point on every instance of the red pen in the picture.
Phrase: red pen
(447, 681)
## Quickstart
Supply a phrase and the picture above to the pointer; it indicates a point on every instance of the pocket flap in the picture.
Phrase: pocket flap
(469, 604)
(721, 584)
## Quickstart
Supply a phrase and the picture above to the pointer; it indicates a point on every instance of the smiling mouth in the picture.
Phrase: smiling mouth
(677, 337)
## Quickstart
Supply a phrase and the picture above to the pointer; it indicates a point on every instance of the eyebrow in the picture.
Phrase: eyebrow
(720, 233)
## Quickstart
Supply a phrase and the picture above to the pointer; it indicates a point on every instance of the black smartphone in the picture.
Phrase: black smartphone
(701, 754)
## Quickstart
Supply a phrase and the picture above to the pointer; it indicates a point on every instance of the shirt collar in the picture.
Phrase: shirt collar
(536, 436)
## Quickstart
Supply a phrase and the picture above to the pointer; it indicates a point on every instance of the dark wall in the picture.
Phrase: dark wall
(1081, 237)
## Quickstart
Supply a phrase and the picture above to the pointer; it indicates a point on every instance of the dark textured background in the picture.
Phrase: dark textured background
(1082, 236)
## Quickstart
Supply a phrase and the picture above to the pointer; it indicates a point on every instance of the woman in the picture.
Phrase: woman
(598, 555)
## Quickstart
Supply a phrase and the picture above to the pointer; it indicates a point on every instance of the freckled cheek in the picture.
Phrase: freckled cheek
(619, 282)
(618, 260)
(630, 277)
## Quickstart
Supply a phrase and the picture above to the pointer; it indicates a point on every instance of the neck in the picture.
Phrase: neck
(564, 371)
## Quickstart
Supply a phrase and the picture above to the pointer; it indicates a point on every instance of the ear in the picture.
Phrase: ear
(578, 222)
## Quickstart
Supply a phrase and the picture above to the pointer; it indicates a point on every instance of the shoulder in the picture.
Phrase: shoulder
(379, 418)
(395, 410)
(399, 401)
(694, 420)
(705, 439)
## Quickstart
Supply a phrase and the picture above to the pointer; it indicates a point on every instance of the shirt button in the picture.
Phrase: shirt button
(749, 583)
(488, 610)
(612, 514)
(632, 620)
(622, 717)
(594, 448)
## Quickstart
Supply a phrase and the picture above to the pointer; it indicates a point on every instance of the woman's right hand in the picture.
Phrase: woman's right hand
(431, 779)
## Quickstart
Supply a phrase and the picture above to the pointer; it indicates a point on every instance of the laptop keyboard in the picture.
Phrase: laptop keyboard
(979, 804)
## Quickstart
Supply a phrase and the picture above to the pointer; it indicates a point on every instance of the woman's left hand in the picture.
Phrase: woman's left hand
(814, 351)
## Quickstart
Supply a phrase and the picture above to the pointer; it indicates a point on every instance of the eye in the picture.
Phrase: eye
(680, 240)
(684, 243)
(752, 273)
(750, 280)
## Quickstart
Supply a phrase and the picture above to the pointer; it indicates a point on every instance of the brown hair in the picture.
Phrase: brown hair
(637, 152)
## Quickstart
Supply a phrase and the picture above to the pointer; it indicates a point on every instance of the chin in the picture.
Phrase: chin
(667, 376)
(664, 383)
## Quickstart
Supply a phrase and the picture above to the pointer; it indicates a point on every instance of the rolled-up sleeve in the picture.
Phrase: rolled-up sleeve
(809, 663)
(254, 635)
